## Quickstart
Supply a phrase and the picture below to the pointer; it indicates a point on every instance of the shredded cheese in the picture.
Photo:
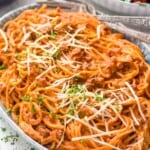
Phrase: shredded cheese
(28, 60)
(44, 72)
(5, 39)
(133, 116)
(137, 100)
(98, 31)
(25, 37)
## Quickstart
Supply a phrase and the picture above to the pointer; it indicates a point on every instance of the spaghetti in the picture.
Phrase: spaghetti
(71, 83)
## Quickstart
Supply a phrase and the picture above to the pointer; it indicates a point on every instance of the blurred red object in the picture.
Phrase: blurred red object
(143, 1)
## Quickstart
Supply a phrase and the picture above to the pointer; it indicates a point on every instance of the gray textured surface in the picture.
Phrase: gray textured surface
(123, 8)
(14, 4)
(17, 3)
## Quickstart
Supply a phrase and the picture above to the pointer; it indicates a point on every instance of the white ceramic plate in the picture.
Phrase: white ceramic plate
(11, 15)
(10, 140)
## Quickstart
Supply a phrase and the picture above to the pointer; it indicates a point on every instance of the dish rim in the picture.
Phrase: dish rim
(8, 16)
(118, 6)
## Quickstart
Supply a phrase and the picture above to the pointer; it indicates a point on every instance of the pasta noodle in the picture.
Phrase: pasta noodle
(71, 83)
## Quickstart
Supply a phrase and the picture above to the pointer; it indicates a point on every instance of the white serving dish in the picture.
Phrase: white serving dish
(14, 13)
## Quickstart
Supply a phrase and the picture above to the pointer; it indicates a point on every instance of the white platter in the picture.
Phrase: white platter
(3, 111)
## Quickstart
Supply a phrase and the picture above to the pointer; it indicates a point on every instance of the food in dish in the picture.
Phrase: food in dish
(71, 83)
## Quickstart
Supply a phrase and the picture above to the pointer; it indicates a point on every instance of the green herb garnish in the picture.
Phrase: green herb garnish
(33, 109)
(75, 88)
(32, 148)
(45, 54)
(22, 55)
(18, 57)
(56, 54)
(40, 98)
(2, 67)
(55, 116)
(76, 91)
(76, 79)
(117, 107)
(25, 53)
(37, 35)
(8, 110)
(70, 111)
(99, 98)
(58, 70)
(26, 98)
(52, 113)
(84, 96)
(75, 103)
(82, 141)
(3, 129)
(10, 138)
(53, 34)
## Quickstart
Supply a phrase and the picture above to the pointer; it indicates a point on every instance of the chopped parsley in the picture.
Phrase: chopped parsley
(40, 98)
(37, 35)
(117, 107)
(75, 103)
(33, 109)
(32, 148)
(55, 116)
(26, 98)
(3, 129)
(76, 79)
(53, 34)
(99, 98)
(52, 113)
(58, 70)
(84, 96)
(82, 141)
(71, 111)
(19, 57)
(45, 54)
(2, 67)
(8, 110)
(10, 138)
(74, 89)
(56, 54)
(24, 54)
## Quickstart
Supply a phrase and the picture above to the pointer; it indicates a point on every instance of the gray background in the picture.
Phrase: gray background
(12, 5)
(16, 3)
